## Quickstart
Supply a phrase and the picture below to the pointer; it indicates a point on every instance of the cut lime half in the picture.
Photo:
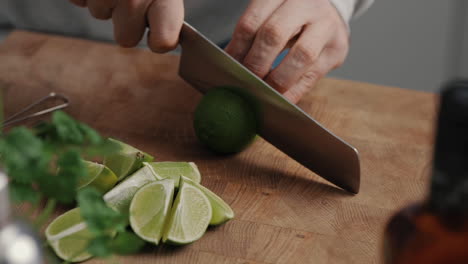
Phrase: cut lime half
(99, 177)
(190, 216)
(121, 195)
(69, 237)
(149, 209)
(125, 161)
(175, 170)
(222, 212)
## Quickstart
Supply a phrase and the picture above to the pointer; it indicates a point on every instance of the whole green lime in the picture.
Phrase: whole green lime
(224, 121)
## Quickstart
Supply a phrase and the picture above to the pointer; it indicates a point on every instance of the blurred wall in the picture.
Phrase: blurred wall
(463, 69)
(414, 44)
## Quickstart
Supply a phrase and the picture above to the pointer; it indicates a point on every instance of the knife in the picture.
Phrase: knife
(204, 65)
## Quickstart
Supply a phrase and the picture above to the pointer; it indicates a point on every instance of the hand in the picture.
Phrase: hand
(131, 17)
(314, 30)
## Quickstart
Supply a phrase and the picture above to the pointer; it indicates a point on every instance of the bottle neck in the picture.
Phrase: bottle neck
(449, 186)
(4, 201)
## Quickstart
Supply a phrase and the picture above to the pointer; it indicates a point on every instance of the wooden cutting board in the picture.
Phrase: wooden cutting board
(284, 213)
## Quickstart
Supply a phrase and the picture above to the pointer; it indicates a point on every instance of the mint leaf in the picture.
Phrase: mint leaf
(62, 186)
(126, 243)
(20, 192)
(67, 129)
(99, 217)
(100, 246)
(90, 135)
(23, 155)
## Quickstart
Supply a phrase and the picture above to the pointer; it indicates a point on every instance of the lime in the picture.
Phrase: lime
(125, 161)
(149, 209)
(224, 121)
(69, 237)
(222, 212)
(121, 195)
(99, 177)
(190, 216)
(175, 170)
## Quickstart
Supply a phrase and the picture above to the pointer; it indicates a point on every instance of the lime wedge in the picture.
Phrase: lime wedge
(190, 216)
(68, 236)
(99, 177)
(222, 212)
(175, 170)
(121, 195)
(126, 161)
(149, 209)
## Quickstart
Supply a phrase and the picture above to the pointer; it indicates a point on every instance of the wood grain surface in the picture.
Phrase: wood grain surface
(284, 213)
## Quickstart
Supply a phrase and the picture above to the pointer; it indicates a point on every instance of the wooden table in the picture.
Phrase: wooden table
(284, 213)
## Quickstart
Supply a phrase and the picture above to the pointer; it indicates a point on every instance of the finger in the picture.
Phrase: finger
(129, 18)
(165, 19)
(81, 3)
(101, 9)
(274, 35)
(304, 53)
(253, 18)
(328, 60)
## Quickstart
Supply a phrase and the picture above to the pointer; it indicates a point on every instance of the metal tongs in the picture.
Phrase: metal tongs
(23, 115)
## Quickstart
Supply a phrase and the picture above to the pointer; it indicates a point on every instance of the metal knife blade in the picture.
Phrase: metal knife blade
(204, 65)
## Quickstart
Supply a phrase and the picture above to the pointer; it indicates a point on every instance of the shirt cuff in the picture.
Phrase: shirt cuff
(349, 9)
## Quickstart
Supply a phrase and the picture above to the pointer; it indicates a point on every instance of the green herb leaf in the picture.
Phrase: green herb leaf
(90, 135)
(23, 155)
(67, 129)
(20, 192)
(100, 246)
(126, 243)
(62, 186)
(99, 217)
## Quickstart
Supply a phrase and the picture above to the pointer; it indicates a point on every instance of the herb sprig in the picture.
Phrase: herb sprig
(45, 163)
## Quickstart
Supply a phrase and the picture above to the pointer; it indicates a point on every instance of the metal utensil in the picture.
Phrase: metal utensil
(22, 115)
(204, 65)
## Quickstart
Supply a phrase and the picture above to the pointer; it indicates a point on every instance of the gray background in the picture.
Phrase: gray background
(416, 44)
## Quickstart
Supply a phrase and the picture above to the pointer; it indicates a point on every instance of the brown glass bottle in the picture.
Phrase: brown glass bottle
(436, 230)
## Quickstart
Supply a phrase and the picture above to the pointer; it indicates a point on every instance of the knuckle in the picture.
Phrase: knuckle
(133, 5)
(247, 26)
(304, 55)
(163, 43)
(254, 67)
(311, 77)
(339, 63)
(278, 83)
(272, 35)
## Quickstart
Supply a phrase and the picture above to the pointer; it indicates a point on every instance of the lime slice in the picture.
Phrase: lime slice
(190, 216)
(68, 236)
(175, 170)
(149, 209)
(126, 161)
(222, 212)
(121, 195)
(99, 177)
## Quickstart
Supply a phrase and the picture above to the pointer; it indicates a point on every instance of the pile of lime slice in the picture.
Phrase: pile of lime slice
(125, 161)
(165, 201)
(99, 176)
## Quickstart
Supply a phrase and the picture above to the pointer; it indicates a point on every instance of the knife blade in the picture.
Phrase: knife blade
(284, 125)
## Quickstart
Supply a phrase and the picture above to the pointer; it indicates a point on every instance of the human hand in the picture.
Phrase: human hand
(314, 30)
(131, 17)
